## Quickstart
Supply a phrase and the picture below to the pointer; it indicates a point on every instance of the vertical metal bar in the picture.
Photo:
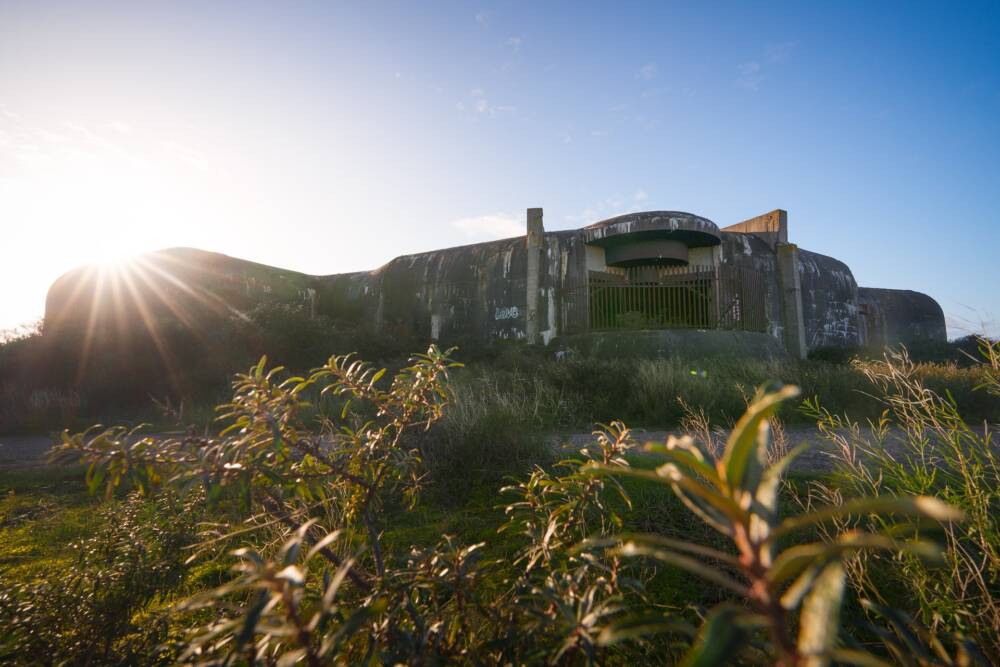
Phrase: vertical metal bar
(703, 299)
(706, 299)
(659, 304)
(668, 310)
(645, 308)
(696, 294)
(648, 294)
(682, 292)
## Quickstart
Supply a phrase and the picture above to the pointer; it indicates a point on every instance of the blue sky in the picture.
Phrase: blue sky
(330, 138)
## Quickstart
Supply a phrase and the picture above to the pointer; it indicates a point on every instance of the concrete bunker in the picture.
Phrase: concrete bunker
(662, 277)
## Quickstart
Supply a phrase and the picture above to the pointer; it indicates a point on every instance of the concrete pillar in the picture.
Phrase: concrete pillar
(790, 288)
(535, 238)
(771, 227)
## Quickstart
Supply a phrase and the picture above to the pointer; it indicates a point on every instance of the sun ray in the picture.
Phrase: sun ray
(141, 269)
(122, 325)
(92, 319)
(201, 294)
(151, 326)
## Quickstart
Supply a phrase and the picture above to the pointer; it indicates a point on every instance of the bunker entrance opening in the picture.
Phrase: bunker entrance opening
(664, 297)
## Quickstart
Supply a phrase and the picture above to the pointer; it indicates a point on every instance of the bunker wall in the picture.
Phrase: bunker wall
(750, 252)
(891, 316)
(829, 302)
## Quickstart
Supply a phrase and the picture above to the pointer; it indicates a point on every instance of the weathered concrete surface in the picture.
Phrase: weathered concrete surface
(693, 230)
(351, 297)
(892, 316)
(679, 343)
(829, 302)
(474, 292)
(747, 251)
(771, 227)
(534, 241)
(480, 293)
(791, 300)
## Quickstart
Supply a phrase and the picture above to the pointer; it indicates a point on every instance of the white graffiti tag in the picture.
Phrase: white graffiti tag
(508, 313)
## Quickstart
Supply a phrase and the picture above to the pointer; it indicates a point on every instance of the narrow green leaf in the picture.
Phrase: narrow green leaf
(925, 506)
(795, 559)
(743, 459)
(326, 541)
(820, 620)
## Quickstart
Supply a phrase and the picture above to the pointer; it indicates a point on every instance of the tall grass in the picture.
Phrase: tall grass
(496, 424)
(648, 392)
(923, 444)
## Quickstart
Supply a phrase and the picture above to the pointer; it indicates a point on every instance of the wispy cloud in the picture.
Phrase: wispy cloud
(750, 76)
(483, 18)
(479, 104)
(57, 145)
(752, 73)
(647, 72)
(515, 42)
(776, 53)
(490, 227)
(610, 207)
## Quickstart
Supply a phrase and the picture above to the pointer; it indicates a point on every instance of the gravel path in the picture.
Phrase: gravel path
(23, 451)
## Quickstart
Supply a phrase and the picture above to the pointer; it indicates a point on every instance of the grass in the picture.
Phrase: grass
(42, 512)
(545, 394)
(45, 389)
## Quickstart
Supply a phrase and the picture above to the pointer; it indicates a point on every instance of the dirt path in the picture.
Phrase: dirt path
(25, 451)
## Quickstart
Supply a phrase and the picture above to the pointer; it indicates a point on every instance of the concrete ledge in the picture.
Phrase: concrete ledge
(666, 343)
